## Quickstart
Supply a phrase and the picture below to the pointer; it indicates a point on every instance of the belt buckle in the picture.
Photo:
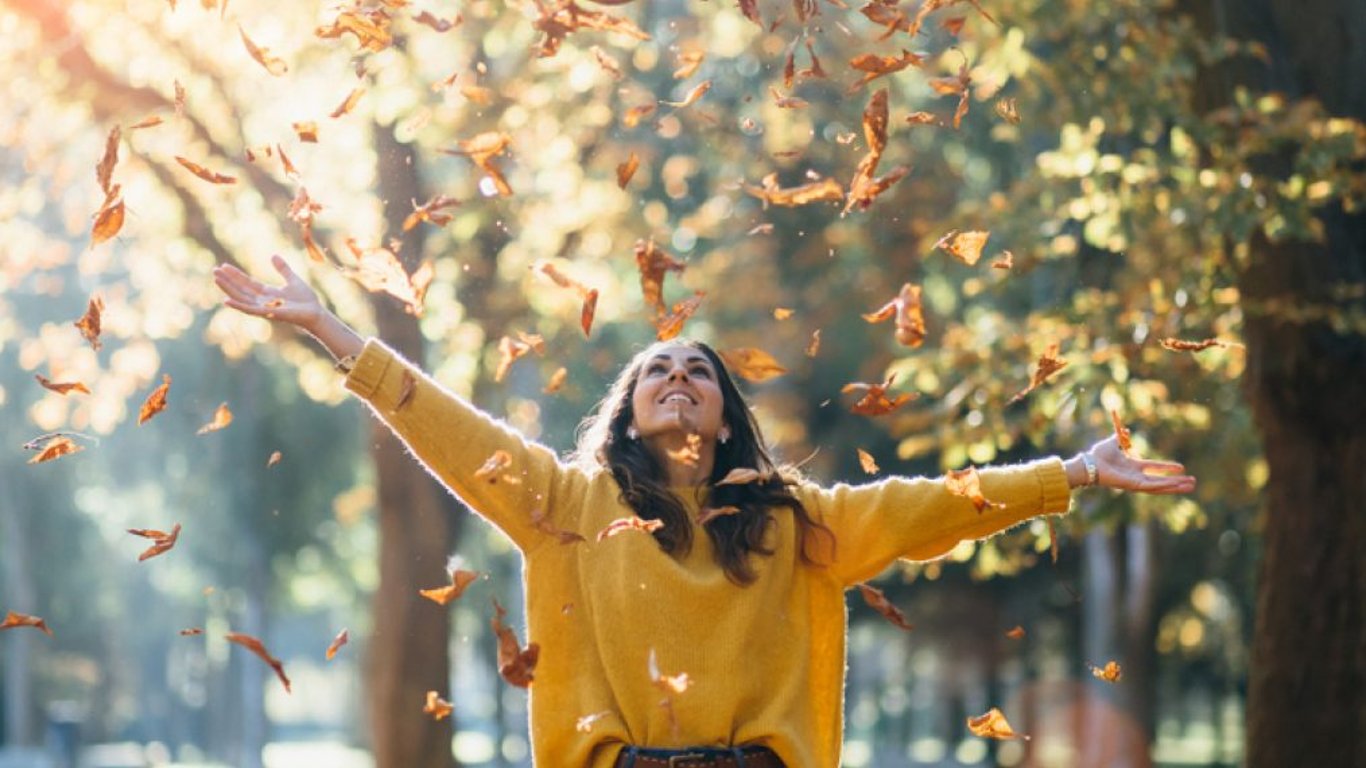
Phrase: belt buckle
(692, 758)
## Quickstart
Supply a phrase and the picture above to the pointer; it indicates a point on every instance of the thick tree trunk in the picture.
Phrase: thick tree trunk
(408, 653)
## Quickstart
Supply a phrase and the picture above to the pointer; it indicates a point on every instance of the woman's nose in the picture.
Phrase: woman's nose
(679, 373)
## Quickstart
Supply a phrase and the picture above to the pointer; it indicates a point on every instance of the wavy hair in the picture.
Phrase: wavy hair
(603, 444)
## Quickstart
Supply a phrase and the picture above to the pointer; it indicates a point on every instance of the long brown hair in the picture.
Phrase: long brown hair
(603, 443)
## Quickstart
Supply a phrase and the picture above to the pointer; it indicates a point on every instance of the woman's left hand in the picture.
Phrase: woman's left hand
(1115, 469)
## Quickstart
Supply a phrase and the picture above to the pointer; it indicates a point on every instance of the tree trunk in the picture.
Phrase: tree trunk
(408, 651)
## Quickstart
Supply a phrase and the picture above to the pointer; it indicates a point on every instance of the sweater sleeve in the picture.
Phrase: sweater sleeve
(918, 519)
(453, 439)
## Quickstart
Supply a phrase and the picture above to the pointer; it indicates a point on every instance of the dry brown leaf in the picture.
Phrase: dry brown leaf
(108, 221)
(437, 707)
(782, 313)
(378, 270)
(491, 470)
(461, 579)
(671, 325)
(61, 388)
(347, 104)
(156, 401)
(541, 522)
(688, 62)
(1110, 673)
(104, 170)
(1177, 345)
(908, 312)
(439, 25)
(879, 602)
(222, 417)
(370, 27)
(275, 457)
(191, 632)
(866, 460)
(922, 118)
(511, 350)
(275, 65)
(813, 347)
(633, 116)
(632, 523)
(481, 150)
(559, 18)
(751, 363)
(787, 102)
(1049, 364)
(873, 66)
(1016, 633)
(213, 177)
(688, 454)
(257, 647)
(743, 476)
(968, 484)
(993, 725)
(692, 97)
(707, 514)
(964, 246)
(608, 63)
(162, 542)
(14, 619)
(517, 666)
(627, 169)
(306, 130)
(811, 192)
(1005, 261)
(431, 212)
(55, 447)
(342, 638)
(1007, 111)
(875, 401)
(1122, 434)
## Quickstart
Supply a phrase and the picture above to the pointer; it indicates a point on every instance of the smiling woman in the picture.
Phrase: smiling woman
(657, 644)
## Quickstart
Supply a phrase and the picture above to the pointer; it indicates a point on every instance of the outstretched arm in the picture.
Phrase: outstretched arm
(295, 303)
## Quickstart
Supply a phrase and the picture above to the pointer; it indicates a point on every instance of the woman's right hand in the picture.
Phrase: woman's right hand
(295, 302)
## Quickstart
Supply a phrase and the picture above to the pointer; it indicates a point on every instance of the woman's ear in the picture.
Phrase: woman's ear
(723, 434)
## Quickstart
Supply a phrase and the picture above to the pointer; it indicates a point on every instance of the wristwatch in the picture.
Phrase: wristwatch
(1092, 473)
(345, 364)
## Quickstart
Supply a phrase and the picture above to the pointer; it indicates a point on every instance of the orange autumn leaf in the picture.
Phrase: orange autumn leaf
(481, 150)
(627, 169)
(1007, 111)
(191, 632)
(378, 270)
(257, 647)
(55, 447)
(866, 186)
(108, 221)
(888, 16)
(1052, 539)
(922, 118)
(162, 542)
(692, 96)
(787, 102)
(879, 602)
(751, 363)
(1122, 434)
(342, 638)
(875, 401)
(285, 164)
(964, 246)
(654, 263)
(275, 457)
(589, 295)
(1177, 345)
(689, 454)
(437, 707)
(608, 63)
(669, 684)
(782, 313)
(707, 514)
(906, 309)
(431, 212)
(556, 381)
(873, 66)
(541, 522)
(347, 104)
(867, 462)
(959, 85)
(993, 725)
(306, 130)
(156, 401)
(89, 323)
(439, 25)
(811, 192)
(669, 326)
(104, 170)
(968, 484)
(369, 26)
(743, 476)
(275, 65)
(517, 666)
(1110, 673)
(222, 417)
(511, 350)
(1005, 261)
(688, 62)
(461, 579)
(14, 619)
(490, 471)
(1049, 364)
(813, 347)
(632, 117)
(559, 18)
(63, 387)
(1016, 633)
(632, 523)
(213, 177)
(953, 25)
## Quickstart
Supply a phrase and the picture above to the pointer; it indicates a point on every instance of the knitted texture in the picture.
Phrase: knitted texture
(766, 661)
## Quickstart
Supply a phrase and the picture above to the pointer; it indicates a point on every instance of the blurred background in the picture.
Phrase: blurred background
(1188, 169)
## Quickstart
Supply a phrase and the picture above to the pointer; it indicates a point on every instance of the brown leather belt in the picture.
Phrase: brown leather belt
(700, 757)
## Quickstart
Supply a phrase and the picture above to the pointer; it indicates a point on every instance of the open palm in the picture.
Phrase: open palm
(294, 302)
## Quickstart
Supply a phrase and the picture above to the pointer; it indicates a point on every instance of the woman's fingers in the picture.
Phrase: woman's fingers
(1164, 467)
(286, 271)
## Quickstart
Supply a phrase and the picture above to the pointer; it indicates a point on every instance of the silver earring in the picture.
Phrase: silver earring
(632, 433)
(724, 436)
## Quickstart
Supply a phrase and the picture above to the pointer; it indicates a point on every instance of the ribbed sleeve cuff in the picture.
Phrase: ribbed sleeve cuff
(1053, 486)
(368, 373)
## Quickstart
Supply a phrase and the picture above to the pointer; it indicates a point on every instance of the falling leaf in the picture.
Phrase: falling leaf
(752, 364)
(481, 150)
(179, 99)
(1005, 261)
(1049, 364)
(608, 63)
(906, 309)
(274, 459)
(922, 118)
(55, 447)
(514, 664)
(654, 263)
(378, 270)
(953, 25)
(968, 484)
(811, 192)
(437, 707)
(191, 632)
(306, 130)
(743, 476)
(213, 177)
(259, 648)
(873, 66)
(1052, 539)
(1110, 673)
(692, 97)
(585, 724)
(511, 350)
(559, 18)
(787, 102)
(707, 514)
(671, 325)
(431, 212)
(866, 460)
(460, 581)
(589, 295)
(813, 347)
(370, 27)
(688, 62)
(162, 542)
(151, 121)
(61, 388)
(273, 64)
(108, 221)
(1177, 345)
(632, 117)
(689, 454)
(764, 229)
(879, 602)
(993, 725)
(959, 85)
(627, 169)
(89, 324)
(349, 103)
(750, 8)
(439, 25)
(865, 186)
(964, 246)
(14, 619)
(1122, 434)
(222, 417)
(1005, 108)
(556, 381)
(489, 471)
(541, 522)
(155, 402)
(1016, 633)
(104, 170)
(670, 686)
(632, 523)
(782, 313)
(875, 401)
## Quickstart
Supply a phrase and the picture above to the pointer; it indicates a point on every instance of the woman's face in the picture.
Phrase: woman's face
(678, 391)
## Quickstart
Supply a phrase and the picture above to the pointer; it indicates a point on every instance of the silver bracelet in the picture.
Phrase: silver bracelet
(346, 364)
(1092, 473)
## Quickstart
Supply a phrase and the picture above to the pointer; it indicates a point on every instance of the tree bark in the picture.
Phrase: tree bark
(408, 653)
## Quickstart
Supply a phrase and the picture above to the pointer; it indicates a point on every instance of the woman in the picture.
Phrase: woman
(748, 604)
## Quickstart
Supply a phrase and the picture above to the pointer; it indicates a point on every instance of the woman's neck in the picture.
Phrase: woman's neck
(687, 459)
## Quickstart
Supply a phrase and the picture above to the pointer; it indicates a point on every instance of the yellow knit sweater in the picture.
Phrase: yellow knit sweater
(766, 660)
